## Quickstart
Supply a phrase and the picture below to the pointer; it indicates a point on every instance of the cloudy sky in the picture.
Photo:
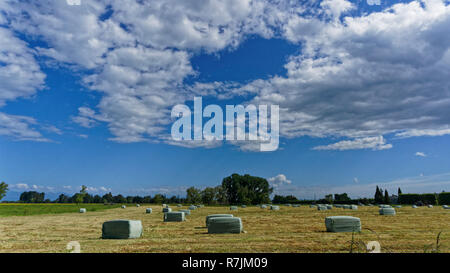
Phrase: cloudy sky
(87, 88)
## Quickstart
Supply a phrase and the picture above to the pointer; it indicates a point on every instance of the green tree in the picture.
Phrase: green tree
(79, 197)
(193, 195)
(342, 197)
(209, 196)
(3, 190)
(221, 195)
(158, 198)
(107, 198)
(246, 189)
(379, 196)
(387, 200)
(32, 197)
(62, 198)
(399, 191)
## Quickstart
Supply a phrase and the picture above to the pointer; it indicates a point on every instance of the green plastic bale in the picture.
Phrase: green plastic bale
(387, 211)
(216, 216)
(243, 206)
(166, 210)
(175, 216)
(233, 208)
(186, 211)
(122, 229)
(148, 210)
(274, 208)
(329, 206)
(82, 210)
(192, 207)
(342, 224)
(225, 225)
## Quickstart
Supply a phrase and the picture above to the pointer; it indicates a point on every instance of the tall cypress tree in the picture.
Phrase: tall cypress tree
(399, 191)
(387, 200)
(378, 196)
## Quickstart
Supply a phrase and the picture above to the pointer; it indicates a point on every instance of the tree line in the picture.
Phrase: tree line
(235, 189)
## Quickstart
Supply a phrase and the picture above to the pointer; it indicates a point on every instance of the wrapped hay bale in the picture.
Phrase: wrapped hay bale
(347, 206)
(263, 206)
(430, 206)
(296, 206)
(166, 210)
(123, 206)
(329, 206)
(288, 205)
(384, 206)
(321, 207)
(186, 211)
(274, 208)
(354, 207)
(343, 224)
(148, 210)
(122, 229)
(137, 205)
(82, 210)
(414, 206)
(446, 207)
(225, 225)
(312, 206)
(398, 207)
(209, 217)
(192, 207)
(175, 216)
(387, 211)
(233, 208)
(179, 205)
(243, 206)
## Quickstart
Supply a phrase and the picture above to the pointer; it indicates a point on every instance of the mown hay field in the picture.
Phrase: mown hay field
(287, 230)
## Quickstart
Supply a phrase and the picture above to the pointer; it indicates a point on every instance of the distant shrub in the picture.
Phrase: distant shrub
(444, 198)
(413, 198)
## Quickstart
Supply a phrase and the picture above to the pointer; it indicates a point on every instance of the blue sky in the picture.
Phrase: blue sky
(363, 89)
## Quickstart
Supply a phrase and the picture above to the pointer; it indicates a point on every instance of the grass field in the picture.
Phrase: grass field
(37, 209)
(287, 230)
